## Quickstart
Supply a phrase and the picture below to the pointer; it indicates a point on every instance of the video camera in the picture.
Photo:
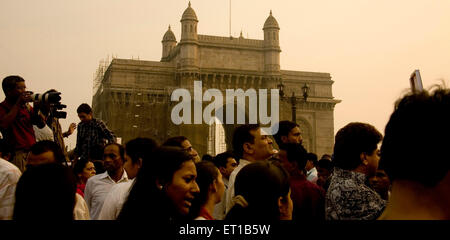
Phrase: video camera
(51, 100)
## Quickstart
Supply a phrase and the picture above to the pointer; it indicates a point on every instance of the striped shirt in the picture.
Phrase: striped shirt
(9, 176)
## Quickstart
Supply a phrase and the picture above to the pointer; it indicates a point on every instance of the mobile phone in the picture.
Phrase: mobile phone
(416, 81)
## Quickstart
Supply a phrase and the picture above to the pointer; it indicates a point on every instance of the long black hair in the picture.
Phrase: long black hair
(261, 184)
(146, 200)
(45, 192)
(207, 172)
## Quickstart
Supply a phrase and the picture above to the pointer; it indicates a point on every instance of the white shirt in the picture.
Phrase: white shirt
(311, 175)
(9, 176)
(44, 133)
(232, 179)
(97, 188)
(115, 199)
(219, 208)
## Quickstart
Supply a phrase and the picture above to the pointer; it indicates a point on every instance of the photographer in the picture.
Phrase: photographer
(17, 118)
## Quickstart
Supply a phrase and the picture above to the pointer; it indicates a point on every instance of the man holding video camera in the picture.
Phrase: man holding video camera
(17, 118)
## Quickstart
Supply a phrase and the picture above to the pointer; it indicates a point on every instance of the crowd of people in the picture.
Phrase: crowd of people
(368, 176)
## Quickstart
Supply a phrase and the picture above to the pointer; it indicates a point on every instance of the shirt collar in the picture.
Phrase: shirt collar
(93, 120)
(356, 176)
(225, 182)
(124, 177)
(312, 170)
(243, 162)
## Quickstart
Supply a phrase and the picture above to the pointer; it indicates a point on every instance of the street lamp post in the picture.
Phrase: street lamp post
(293, 99)
(294, 108)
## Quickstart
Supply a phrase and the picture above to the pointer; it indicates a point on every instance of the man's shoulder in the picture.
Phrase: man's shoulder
(348, 188)
(80, 125)
(4, 107)
(97, 177)
(122, 188)
(97, 121)
(9, 169)
(315, 188)
(234, 173)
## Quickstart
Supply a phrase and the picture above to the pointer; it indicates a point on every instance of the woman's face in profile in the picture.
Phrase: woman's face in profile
(88, 171)
(182, 188)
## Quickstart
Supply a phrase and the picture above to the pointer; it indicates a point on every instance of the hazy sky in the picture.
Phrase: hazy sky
(370, 47)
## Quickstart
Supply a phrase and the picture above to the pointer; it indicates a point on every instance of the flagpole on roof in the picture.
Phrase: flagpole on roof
(230, 18)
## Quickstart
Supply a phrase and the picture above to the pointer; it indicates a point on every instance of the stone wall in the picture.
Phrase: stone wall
(236, 59)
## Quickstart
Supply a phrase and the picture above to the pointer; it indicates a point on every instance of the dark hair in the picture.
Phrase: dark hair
(312, 157)
(242, 135)
(175, 141)
(45, 192)
(221, 159)
(10, 82)
(48, 146)
(284, 128)
(295, 152)
(207, 157)
(207, 172)
(84, 108)
(352, 140)
(140, 148)
(79, 166)
(99, 167)
(121, 149)
(5, 148)
(145, 199)
(325, 164)
(261, 184)
(417, 134)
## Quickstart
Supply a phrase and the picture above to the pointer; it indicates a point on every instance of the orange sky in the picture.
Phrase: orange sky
(369, 47)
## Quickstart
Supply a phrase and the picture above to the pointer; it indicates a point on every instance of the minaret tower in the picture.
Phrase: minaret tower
(271, 46)
(169, 42)
(189, 41)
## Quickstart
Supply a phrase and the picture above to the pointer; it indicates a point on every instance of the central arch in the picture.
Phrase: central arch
(220, 133)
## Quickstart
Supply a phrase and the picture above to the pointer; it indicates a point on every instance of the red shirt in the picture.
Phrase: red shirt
(20, 133)
(308, 199)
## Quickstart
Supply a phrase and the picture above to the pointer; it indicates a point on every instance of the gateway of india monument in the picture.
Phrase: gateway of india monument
(134, 96)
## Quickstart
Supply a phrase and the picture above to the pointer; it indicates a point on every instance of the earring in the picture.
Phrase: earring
(160, 187)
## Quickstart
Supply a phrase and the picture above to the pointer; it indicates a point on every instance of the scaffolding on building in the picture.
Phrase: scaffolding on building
(100, 73)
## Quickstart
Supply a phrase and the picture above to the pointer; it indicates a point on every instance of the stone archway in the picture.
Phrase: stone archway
(216, 137)
(228, 128)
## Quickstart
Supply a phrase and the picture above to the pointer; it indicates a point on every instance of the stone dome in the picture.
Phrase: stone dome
(189, 14)
(271, 22)
(169, 36)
